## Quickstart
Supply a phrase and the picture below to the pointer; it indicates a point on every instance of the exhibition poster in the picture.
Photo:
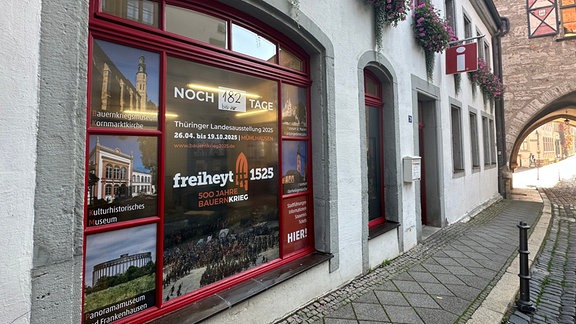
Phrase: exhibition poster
(294, 166)
(294, 111)
(124, 87)
(120, 273)
(122, 178)
(296, 224)
(221, 175)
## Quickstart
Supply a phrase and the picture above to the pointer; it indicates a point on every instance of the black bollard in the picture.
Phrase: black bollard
(524, 304)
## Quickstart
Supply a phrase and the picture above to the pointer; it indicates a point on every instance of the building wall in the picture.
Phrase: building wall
(531, 86)
(58, 210)
(19, 54)
(51, 220)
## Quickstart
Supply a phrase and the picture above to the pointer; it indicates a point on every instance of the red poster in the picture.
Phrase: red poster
(296, 226)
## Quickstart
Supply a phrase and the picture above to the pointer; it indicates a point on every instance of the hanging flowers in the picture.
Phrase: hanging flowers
(388, 12)
(488, 82)
(431, 32)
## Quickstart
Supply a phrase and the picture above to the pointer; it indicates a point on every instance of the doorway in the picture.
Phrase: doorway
(428, 151)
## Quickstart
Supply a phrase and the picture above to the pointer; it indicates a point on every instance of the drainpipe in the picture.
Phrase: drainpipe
(504, 174)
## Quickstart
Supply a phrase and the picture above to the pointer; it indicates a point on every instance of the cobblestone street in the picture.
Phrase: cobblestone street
(553, 283)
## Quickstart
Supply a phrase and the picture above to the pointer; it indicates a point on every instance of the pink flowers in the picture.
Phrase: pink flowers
(432, 33)
(488, 82)
(390, 11)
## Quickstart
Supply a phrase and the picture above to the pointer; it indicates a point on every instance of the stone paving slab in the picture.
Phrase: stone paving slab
(442, 280)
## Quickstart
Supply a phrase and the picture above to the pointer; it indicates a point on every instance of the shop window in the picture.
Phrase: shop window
(457, 153)
(474, 140)
(374, 149)
(288, 59)
(201, 26)
(196, 25)
(222, 149)
(250, 43)
(142, 11)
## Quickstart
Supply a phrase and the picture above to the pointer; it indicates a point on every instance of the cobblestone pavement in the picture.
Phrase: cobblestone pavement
(444, 279)
(553, 283)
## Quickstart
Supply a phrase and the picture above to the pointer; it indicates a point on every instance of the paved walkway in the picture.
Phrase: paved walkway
(553, 283)
(445, 279)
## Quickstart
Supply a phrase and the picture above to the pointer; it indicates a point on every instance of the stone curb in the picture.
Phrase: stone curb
(502, 296)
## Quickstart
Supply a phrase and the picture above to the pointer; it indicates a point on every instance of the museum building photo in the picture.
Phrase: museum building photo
(208, 157)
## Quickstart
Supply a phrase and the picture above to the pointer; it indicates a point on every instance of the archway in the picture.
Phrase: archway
(562, 109)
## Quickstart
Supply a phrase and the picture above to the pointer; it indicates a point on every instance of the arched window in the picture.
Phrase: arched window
(108, 171)
(108, 190)
(123, 173)
(116, 172)
(375, 148)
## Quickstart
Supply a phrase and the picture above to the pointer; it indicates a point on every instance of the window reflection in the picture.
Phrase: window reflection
(290, 60)
(371, 87)
(250, 43)
(142, 11)
(196, 25)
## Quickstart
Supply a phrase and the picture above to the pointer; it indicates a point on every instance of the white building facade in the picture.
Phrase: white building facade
(348, 204)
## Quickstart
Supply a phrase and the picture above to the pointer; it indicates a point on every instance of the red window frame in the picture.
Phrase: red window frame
(109, 28)
(371, 100)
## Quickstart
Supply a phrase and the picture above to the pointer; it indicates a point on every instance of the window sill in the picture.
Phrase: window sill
(380, 229)
(458, 173)
(218, 302)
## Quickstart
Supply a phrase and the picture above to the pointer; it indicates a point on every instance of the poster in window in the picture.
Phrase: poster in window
(119, 278)
(122, 178)
(296, 224)
(124, 87)
(294, 111)
(294, 167)
(221, 175)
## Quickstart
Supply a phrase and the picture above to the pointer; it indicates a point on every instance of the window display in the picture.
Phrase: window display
(197, 158)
